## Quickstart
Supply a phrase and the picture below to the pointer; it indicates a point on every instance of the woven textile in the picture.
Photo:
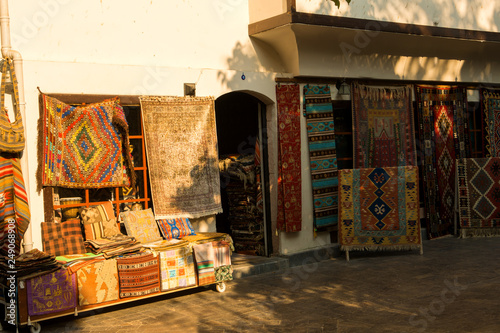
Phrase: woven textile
(479, 196)
(289, 168)
(177, 268)
(51, 293)
(443, 134)
(181, 146)
(204, 255)
(99, 221)
(384, 134)
(318, 111)
(141, 225)
(138, 275)
(175, 228)
(379, 209)
(63, 238)
(98, 282)
(222, 253)
(13, 203)
(84, 147)
(490, 103)
(223, 273)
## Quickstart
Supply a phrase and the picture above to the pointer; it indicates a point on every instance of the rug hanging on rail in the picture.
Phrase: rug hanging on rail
(14, 209)
(83, 146)
(379, 209)
(444, 137)
(383, 127)
(479, 195)
(98, 282)
(318, 111)
(181, 146)
(289, 167)
(490, 103)
(138, 274)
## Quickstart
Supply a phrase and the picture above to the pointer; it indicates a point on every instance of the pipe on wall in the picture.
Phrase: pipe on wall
(8, 52)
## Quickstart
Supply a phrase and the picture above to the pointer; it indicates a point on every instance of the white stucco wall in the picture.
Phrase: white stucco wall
(461, 14)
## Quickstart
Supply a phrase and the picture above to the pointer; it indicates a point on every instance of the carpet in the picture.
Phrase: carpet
(204, 255)
(289, 167)
(13, 204)
(51, 293)
(490, 103)
(479, 196)
(318, 111)
(443, 136)
(177, 268)
(138, 274)
(379, 209)
(181, 147)
(98, 282)
(383, 127)
(85, 146)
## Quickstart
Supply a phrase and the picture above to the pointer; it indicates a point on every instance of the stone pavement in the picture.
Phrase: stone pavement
(453, 287)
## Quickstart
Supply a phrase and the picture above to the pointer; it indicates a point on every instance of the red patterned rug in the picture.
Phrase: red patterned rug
(289, 167)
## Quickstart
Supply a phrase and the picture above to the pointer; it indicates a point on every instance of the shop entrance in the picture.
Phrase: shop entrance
(242, 141)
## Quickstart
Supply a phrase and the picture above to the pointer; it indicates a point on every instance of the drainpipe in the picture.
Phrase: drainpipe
(8, 52)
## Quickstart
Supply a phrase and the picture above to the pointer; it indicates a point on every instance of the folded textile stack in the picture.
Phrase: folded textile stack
(29, 264)
(113, 246)
(74, 262)
(163, 245)
(245, 215)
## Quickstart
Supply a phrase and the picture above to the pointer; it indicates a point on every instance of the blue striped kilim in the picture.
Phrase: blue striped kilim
(318, 111)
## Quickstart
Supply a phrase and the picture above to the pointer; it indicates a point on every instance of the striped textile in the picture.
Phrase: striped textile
(318, 111)
(13, 202)
(222, 254)
(204, 255)
(138, 274)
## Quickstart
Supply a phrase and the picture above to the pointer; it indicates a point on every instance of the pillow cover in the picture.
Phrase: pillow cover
(62, 238)
(141, 225)
(99, 221)
(175, 228)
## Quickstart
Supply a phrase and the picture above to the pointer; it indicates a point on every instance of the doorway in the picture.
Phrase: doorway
(242, 142)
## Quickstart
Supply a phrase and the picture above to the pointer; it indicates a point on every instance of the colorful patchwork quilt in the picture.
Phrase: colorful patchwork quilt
(177, 268)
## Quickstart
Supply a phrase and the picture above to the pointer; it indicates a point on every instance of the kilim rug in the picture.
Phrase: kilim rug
(490, 103)
(177, 268)
(13, 204)
(138, 274)
(85, 146)
(479, 196)
(443, 137)
(204, 255)
(383, 127)
(181, 146)
(289, 168)
(379, 209)
(318, 111)
(98, 282)
(51, 293)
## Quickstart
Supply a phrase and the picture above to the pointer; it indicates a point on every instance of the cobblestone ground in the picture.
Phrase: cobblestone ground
(453, 287)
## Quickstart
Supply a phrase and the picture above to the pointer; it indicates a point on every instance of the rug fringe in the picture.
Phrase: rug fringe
(39, 147)
(405, 247)
(479, 232)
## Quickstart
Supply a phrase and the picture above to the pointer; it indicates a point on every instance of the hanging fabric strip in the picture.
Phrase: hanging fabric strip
(289, 166)
(318, 111)
(490, 104)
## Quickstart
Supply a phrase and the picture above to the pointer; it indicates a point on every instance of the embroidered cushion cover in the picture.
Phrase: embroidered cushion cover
(62, 238)
(141, 225)
(99, 221)
(175, 228)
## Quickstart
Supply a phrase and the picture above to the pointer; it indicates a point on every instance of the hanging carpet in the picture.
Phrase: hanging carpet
(98, 282)
(383, 127)
(490, 103)
(289, 167)
(85, 146)
(318, 111)
(379, 209)
(479, 196)
(138, 274)
(181, 146)
(443, 131)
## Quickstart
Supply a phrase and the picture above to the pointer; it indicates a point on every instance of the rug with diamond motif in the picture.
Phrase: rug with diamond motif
(443, 136)
(379, 209)
(318, 111)
(490, 103)
(479, 197)
(384, 132)
(83, 146)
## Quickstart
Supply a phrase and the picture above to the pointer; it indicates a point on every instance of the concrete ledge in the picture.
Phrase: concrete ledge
(315, 255)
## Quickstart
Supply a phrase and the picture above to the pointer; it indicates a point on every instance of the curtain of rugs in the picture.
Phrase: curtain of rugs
(318, 111)
(289, 217)
(444, 138)
(384, 134)
(490, 103)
